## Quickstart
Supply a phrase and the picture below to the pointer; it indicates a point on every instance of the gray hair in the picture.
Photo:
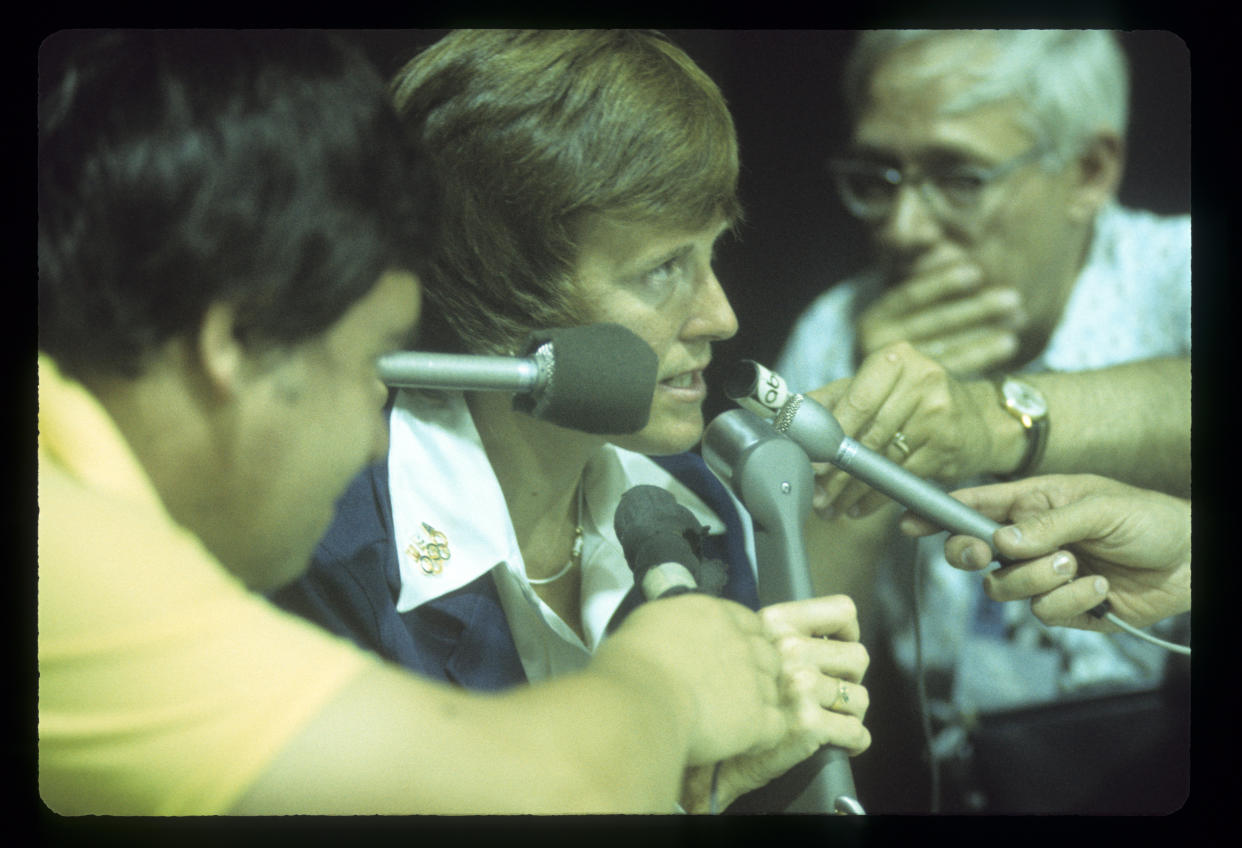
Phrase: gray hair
(1073, 83)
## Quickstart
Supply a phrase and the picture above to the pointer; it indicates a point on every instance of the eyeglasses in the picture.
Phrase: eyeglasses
(869, 189)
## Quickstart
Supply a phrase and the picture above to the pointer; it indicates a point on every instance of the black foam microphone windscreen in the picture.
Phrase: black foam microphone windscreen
(606, 364)
(653, 528)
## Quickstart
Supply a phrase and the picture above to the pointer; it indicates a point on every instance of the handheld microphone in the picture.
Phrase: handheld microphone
(817, 431)
(598, 378)
(662, 541)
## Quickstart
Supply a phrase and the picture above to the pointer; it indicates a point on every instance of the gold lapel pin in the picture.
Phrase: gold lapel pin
(430, 551)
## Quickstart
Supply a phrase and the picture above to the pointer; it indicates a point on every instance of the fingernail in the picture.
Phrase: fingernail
(1062, 565)
(828, 513)
(1009, 534)
(971, 559)
(1101, 586)
(855, 512)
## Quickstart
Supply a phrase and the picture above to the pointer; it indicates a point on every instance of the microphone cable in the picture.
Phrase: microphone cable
(1184, 650)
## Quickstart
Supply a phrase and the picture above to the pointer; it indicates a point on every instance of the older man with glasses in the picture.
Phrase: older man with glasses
(1016, 320)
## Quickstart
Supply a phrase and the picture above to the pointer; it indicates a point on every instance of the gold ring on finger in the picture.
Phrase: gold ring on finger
(899, 442)
(843, 696)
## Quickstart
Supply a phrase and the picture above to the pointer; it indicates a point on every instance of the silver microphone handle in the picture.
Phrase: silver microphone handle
(415, 369)
(771, 475)
(817, 431)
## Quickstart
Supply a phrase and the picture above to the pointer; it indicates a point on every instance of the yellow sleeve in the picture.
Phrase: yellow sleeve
(165, 687)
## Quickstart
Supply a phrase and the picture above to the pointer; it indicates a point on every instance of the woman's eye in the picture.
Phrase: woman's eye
(662, 280)
(664, 272)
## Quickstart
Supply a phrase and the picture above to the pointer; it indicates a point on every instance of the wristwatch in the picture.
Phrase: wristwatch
(1027, 404)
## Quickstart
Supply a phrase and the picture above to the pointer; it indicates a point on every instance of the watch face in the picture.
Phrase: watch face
(1024, 398)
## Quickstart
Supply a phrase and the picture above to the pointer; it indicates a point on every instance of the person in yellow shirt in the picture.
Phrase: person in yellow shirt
(229, 235)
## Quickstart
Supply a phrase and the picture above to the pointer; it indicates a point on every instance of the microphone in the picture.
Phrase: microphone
(662, 541)
(598, 378)
(772, 476)
(815, 429)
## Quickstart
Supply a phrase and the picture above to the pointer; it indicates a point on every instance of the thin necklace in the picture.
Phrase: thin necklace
(575, 554)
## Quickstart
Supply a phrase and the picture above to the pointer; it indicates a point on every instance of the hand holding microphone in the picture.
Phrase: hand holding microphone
(814, 428)
(662, 541)
(717, 667)
(817, 432)
(821, 661)
(763, 393)
(909, 408)
(1075, 537)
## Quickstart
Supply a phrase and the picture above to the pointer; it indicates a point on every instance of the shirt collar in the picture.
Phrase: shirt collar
(450, 520)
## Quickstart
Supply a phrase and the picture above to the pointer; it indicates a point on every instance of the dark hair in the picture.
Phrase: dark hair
(182, 168)
(534, 131)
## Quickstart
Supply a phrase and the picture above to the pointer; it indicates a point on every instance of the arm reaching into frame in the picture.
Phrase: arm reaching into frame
(685, 681)
(954, 430)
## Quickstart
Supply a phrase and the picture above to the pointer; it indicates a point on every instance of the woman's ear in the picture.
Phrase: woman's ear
(1098, 175)
(220, 353)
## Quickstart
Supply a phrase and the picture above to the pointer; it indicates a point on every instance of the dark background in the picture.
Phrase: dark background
(783, 87)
